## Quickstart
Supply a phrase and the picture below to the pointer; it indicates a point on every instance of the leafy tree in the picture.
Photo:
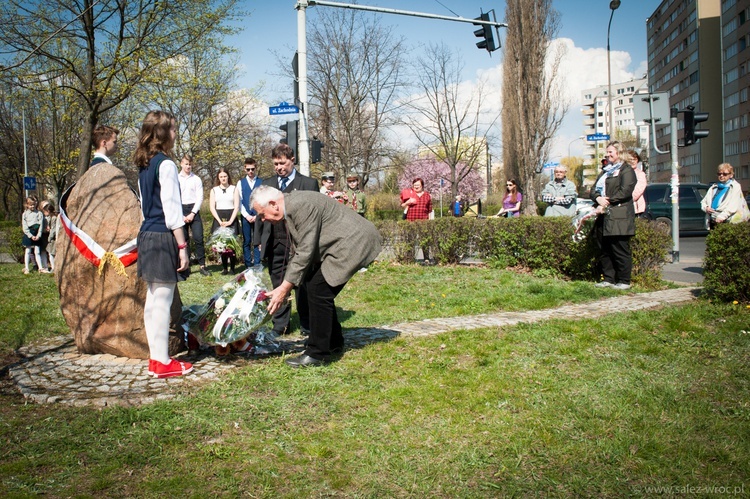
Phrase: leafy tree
(533, 103)
(103, 49)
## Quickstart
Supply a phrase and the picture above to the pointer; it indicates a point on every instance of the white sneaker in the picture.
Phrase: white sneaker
(603, 284)
(621, 285)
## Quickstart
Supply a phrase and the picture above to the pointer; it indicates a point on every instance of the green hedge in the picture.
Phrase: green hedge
(543, 245)
(726, 266)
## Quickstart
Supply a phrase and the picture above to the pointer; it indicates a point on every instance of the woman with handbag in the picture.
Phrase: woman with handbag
(724, 201)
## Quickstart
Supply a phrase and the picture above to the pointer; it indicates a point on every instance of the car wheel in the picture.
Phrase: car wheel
(665, 222)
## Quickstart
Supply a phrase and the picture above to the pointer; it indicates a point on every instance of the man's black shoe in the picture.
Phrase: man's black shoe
(304, 360)
(205, 271)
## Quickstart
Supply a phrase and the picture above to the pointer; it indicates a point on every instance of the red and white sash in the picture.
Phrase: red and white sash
(120, 258)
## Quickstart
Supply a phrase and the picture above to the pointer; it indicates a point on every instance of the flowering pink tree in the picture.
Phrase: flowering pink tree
(432, 170)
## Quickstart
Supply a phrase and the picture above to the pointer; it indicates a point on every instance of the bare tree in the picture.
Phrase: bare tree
(106, 47)
(533, 103)
(447, 118)
(355, 76)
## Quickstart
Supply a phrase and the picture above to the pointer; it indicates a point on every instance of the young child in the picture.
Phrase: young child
(50, 217)
(162, 248)
(33, 228)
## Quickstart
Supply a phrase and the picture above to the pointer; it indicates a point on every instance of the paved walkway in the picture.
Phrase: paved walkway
(55, 372)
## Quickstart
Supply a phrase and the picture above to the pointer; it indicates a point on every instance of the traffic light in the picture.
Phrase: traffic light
(290, 127)
(315, 150)
(485, 32)
(693, 118)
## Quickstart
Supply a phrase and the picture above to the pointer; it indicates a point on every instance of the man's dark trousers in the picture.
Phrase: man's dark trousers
(196, 227)
(250, 253)
(325, 329)
(277, 260)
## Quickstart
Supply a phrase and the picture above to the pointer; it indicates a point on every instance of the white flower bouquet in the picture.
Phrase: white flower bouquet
(584, 221)
(236, 312)
(224, 241)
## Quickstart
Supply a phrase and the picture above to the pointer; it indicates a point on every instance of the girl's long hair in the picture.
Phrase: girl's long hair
(154, 137)
(514, 196)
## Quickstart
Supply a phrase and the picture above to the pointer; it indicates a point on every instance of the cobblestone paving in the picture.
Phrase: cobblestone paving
(54, 372)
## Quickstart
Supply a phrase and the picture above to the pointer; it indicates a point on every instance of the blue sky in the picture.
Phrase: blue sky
(272, 26)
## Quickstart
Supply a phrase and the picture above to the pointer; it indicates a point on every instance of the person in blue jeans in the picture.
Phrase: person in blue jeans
(246, 186)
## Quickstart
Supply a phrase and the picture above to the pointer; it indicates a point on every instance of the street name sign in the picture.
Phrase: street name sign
(596, 137)
(283, 108)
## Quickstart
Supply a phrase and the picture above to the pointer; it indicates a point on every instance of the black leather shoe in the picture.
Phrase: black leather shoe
(205, 271)
(304, 360)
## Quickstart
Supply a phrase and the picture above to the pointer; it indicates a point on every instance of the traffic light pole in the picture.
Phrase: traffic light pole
(383, 10)
(303, 154)
(675, 187)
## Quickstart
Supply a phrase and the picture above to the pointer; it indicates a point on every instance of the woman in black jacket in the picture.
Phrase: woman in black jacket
(613, 195)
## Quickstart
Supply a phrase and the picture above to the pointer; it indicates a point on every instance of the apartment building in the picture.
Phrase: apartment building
(697, 54)
(735, 32)
(595, 112)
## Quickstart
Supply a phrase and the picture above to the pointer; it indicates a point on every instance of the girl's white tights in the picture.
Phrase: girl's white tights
(156, 319)
(39, 257)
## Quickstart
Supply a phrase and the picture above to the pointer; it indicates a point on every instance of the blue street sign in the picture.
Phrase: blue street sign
(551, 164)
(595, 137)
(29, 183)
(283, 108)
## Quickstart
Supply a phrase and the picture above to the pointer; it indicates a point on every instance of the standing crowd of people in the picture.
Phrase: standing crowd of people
(313, 244)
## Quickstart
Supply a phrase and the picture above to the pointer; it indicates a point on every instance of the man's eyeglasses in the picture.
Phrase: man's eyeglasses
(249, 169)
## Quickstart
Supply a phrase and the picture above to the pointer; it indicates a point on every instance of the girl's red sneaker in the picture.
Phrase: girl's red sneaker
(174, 368)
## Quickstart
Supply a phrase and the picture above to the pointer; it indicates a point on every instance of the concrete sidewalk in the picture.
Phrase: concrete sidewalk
(56, 373)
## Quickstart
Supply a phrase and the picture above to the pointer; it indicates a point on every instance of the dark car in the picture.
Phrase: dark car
(659, 206)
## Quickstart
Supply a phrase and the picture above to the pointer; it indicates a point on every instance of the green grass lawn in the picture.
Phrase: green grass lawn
(598, 408)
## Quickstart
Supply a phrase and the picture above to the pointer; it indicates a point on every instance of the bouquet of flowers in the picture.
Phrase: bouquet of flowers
(583, 222)
(236, 312)
(224, 241)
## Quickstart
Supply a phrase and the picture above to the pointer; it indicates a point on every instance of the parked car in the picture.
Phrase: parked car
(659, 206)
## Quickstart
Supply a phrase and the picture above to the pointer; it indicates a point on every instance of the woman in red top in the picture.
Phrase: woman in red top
(416, 202)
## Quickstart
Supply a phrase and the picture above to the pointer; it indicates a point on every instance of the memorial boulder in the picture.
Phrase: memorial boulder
(101, 296)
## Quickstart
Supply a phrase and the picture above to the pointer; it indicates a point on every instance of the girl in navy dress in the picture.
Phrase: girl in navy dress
(162, 249)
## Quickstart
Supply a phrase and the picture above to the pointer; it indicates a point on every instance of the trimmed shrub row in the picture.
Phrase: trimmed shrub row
(540, 244)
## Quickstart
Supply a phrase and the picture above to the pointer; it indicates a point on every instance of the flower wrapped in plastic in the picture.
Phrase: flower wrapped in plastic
(224, 241)
(236, 312)
(584, 221)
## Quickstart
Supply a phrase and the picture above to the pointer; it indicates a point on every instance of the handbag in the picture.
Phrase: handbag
(741, 215)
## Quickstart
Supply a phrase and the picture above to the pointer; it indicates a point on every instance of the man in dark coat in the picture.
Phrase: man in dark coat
(275, 243)
(331, 243)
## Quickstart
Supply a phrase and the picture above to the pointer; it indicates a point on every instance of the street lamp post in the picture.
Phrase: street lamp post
(571, 143)
(613, 6)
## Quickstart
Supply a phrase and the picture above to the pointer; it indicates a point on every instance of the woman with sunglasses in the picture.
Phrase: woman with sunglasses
(511, 201)
(724, 198)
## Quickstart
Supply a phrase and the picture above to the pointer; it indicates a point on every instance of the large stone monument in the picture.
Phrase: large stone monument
(101, 296)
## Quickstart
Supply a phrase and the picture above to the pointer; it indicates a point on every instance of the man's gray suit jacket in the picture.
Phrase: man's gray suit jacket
(328, 233)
